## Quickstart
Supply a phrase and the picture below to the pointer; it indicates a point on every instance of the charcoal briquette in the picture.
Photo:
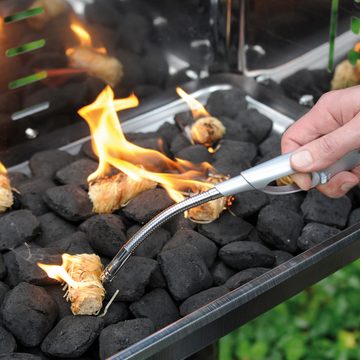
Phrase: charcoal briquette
(3, 291)
(153, 143)
(106, 233)
(271, 146)
(117, 337)
(29, 312)
(185, 272)
(16, 228)
(19, 356)
(132, 279)
(201, 299)
(75, 243)
(53, 228)
(205, 247)
(184, 119)
(241, 255)
(57, 294)
(195, 154)
(314, 233)
(88, 151)
(317, 207)
(153, 244)
(235, 151)
(31, 192)
(279, 227)
(228, 166)
(2, 267)
(21, 264)
(179, 142)
(281, 257)
(46, 163)
(77, 172)
(244, 276)
(249, 203)
(353, 219)
(72, 336)
(179, 222)
(118, 311)
(221, 273)
(226, 102)
(168, 131)
(69, 201)
(157, 279)
(289, 201)
(16, 178)
(146, 205)
(226, 229)
(7, 342)
(157, 306)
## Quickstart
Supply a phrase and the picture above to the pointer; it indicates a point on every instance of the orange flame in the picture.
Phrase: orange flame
(197, 109)
(59, 273)
(3, 170)
(357, 47)
(114, 150)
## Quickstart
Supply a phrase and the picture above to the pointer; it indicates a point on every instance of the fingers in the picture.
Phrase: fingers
(339, 185)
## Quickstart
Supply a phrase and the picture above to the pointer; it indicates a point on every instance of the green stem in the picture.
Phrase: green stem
(333, 30)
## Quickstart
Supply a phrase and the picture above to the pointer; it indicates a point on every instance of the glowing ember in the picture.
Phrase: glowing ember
(81, 273)
(197, 109)
(6, 195)
(114, 150)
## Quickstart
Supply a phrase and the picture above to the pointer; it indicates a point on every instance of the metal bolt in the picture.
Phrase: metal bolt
(31, 133)
(307, 100)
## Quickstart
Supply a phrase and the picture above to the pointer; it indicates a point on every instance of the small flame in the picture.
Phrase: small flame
(3, 170)
(82, 34)
(112, 148)
(197, 109)
(357, 47)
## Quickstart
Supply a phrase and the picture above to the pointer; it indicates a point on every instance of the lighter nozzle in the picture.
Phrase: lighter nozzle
(115, 265)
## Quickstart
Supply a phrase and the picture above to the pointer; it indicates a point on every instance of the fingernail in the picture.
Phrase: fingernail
(347, 186)
(302, 159)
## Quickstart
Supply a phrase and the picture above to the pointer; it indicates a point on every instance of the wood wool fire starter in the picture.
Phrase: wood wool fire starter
(6, 195)
(108, 194)
(207, 131)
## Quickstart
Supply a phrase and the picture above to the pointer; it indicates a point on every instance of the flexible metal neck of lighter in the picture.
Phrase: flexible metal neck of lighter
(126, 251)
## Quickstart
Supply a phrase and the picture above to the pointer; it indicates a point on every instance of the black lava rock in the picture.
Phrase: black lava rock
(235, 151)
(72, 336)
(226, 229)
(16, 228)
(117, 312)
(290, 201)
(179, 142)
(32, 194)
(106, 233)
(69, 201)
(77, 172)
(179, 222)
(244, 276)
(201, 299)
(153, 244)
(21, 264)
(279, 227)
(132, 279)
(254, 126)
(194, 153)
(205, 247)
(185, 271)
(2, 267)
(353, 219)
(57, 294)
(241, 255)
(157, 306)
(168, 131)
(29, 312)
(221, 273)
(7, 342)
(226, 102)
(271, 147)
(3, 291)
(320, 208)
(117, 337)
(46, 163)
(314, 233)
(249, 203)
(146, 205)
(53, 228)
(281, 257)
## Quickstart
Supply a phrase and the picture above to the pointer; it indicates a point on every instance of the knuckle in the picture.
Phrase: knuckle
(327, 145)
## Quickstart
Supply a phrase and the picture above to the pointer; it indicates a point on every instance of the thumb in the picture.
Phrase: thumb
(326, 150)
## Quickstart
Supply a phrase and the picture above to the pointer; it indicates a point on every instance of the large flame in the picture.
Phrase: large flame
(109, 143)
(197, 109)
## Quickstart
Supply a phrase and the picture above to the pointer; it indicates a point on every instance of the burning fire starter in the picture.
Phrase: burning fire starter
(6, 195)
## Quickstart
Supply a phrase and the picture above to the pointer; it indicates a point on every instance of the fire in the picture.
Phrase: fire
(357, 47)
(109, 143)
(197, 109)
(3, 170)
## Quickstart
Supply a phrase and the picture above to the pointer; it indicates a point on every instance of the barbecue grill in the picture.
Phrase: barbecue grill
(205, 47)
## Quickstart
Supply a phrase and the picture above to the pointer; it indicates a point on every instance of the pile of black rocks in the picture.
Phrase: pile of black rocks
(178, 269)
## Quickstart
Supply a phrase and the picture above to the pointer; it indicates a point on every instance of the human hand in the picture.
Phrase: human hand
(330, 130)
